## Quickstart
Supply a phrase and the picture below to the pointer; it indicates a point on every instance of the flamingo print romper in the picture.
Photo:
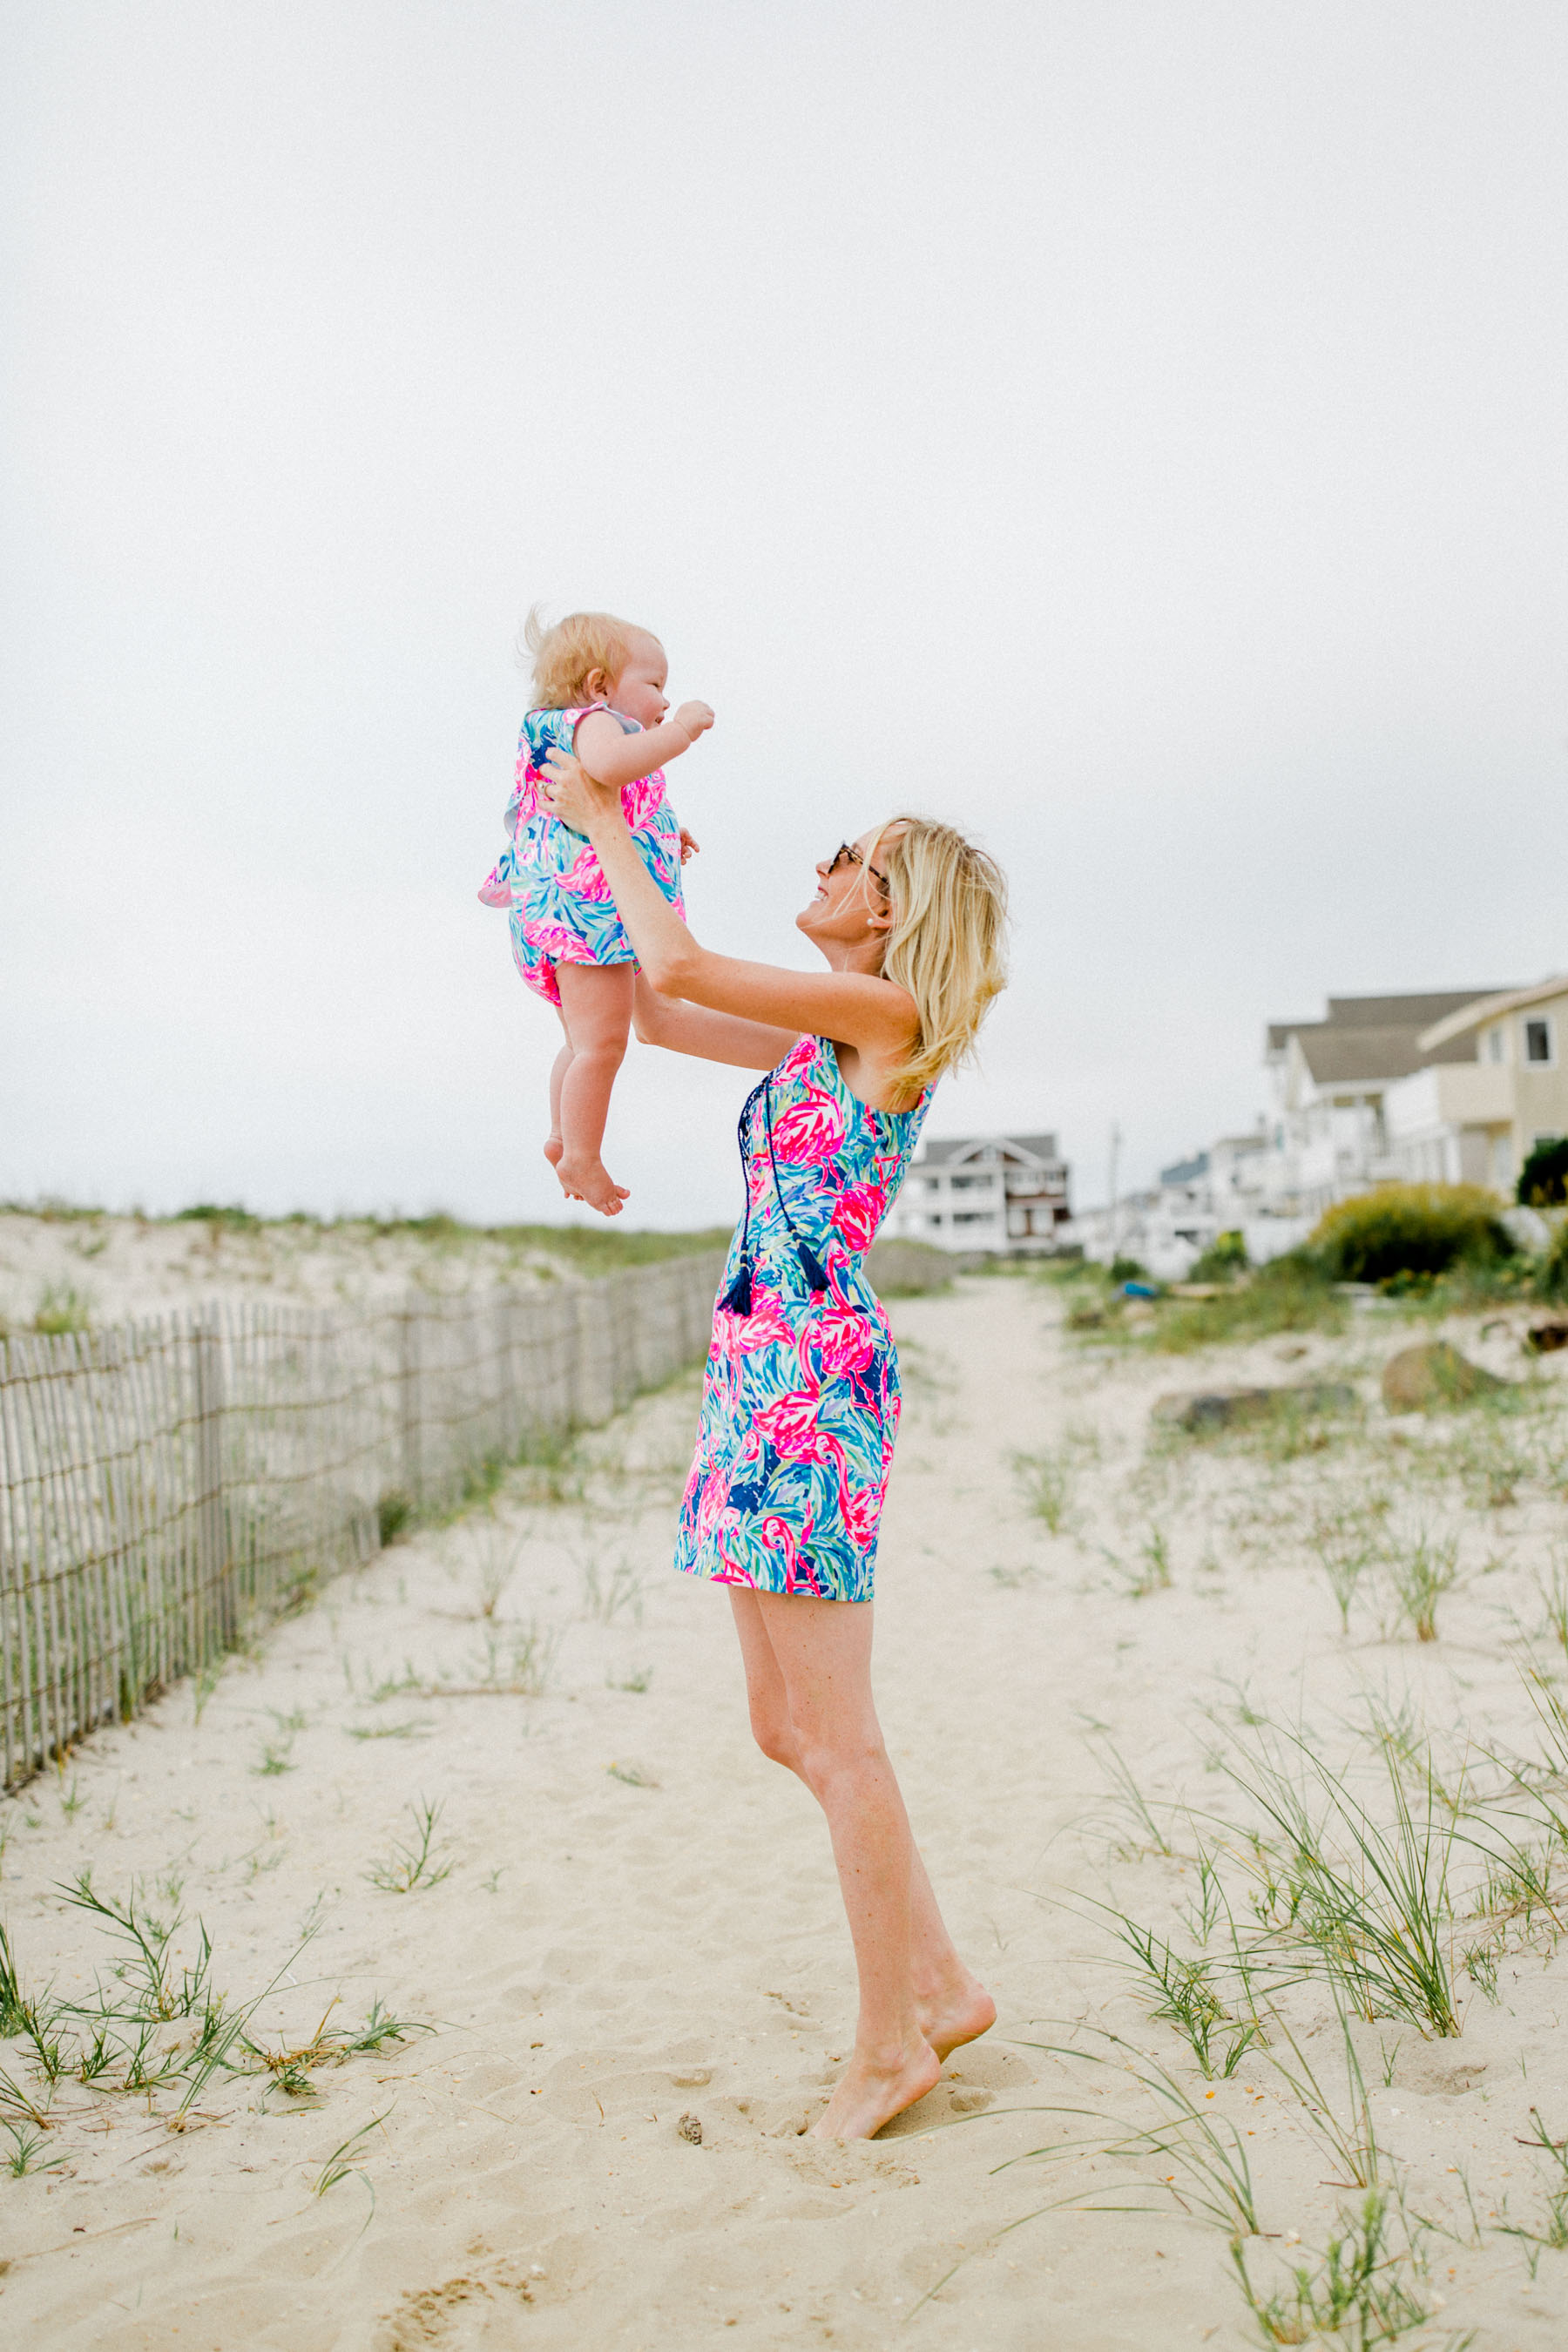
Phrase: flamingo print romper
(800, 1404)
(550, 877)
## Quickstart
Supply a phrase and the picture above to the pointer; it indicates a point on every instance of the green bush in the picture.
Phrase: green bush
(1543, 1179)
(1551, 1281)
(1407, 1229)
(1223, 1259)
(1290, 1294)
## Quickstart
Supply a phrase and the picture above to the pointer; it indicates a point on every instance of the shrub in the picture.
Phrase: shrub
(1543, 1179)
(61, 1309)
(233, 1218)
(1290, 1294)
(1127, 1269)
(1552, 1280)
(1224, 1257)
(1405, 1229)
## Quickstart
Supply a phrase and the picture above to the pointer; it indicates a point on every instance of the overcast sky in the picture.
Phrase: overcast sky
(1133, 431)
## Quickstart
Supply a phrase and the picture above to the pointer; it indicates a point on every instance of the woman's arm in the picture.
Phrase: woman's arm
(854, 1008)
(613, 757)
(711, 1036)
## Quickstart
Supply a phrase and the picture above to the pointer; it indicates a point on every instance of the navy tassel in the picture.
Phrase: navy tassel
(811, 1266)
(738, 1298)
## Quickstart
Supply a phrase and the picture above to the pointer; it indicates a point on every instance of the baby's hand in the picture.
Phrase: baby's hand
(696, 718)
(690, 844)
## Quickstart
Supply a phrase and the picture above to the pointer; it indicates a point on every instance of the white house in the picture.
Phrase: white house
(1382, 1086)
(1214, 1191)
(1476, 1122)
(1330, 1134)
(1001, 1193)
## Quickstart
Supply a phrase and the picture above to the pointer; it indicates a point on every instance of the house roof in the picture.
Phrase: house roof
(1488, 1008)
(1363, 1056)
(1367, 1039)
(1186, 1171)
(1398, 1012)
(937, 1149)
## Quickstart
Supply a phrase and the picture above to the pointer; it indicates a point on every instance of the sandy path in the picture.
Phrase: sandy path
(612, 1950)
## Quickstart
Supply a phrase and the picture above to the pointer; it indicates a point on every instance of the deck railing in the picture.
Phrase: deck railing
(165, 1484)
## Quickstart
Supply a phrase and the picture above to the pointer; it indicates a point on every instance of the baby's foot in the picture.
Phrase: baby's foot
(553, 1147)
(590, 1181)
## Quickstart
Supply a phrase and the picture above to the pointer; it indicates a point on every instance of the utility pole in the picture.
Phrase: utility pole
(1115, 1155)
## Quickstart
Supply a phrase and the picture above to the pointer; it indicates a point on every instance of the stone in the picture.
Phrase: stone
(1426, 1378)
(1205, 1408)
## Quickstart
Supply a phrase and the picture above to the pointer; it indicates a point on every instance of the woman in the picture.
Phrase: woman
(801, 1401)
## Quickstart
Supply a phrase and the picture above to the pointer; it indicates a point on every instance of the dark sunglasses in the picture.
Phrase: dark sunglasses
(846, 849)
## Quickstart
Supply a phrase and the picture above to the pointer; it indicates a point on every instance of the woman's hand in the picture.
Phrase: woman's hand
(576, 797)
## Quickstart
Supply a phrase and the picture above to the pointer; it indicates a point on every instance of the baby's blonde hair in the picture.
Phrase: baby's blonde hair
(948, 942)
(566, 654)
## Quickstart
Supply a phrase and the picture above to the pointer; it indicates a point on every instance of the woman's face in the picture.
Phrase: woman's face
(850, 904)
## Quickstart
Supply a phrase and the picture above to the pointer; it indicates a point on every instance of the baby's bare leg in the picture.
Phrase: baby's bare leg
(558, 1069)
(597, 1007)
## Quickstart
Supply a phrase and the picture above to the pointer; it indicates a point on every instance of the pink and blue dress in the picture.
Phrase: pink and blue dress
(549, 878)
(800, 1402)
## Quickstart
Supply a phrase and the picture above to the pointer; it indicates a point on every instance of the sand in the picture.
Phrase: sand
(640, 1922)
(104, 1270)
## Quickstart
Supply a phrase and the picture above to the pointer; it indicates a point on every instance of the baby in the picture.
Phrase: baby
(599, 693)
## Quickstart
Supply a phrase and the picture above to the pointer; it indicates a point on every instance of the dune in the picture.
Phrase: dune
(500, 1784)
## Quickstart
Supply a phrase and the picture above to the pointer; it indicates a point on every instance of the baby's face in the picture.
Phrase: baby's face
(639, 689)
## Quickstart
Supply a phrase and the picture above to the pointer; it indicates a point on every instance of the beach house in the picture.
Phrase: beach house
(1004, 1193)
(1494, 1085)
(1331, 1079)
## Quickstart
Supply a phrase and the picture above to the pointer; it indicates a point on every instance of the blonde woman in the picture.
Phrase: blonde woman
(801, 1403)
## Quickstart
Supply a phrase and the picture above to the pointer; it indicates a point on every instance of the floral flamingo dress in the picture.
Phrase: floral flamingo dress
(800, 1405)
(550, 877)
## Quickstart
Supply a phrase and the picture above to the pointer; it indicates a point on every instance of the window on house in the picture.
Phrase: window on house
(1491, 1046)
(974, 1217)
(1538, 1041)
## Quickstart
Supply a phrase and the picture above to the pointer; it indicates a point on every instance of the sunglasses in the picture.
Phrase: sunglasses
(847, 851)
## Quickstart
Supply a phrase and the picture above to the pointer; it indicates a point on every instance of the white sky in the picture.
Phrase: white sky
(1136, 431)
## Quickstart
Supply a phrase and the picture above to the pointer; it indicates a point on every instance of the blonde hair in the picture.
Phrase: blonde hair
(948, 942)
(566, 653)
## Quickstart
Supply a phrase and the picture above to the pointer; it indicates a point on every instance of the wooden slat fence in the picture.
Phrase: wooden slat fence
(164, 1484)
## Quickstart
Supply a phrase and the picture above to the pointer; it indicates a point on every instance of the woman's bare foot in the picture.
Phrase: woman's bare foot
(959, 2013)
(869, 2095)
(590, 1181)
(553, 1147)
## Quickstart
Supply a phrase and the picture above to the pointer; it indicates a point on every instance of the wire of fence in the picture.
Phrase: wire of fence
(164, 1484)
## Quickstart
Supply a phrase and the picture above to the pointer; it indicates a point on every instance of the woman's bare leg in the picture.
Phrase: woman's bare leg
(951, 2003)
(596, 1008)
